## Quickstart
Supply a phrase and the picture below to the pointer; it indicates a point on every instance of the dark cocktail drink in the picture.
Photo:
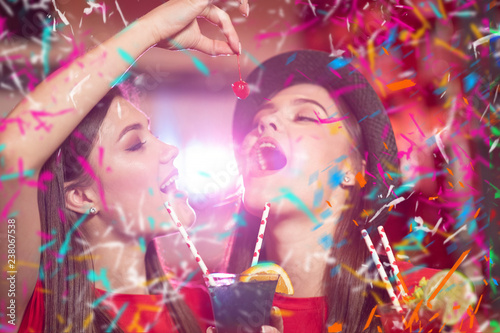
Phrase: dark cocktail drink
(241, 303)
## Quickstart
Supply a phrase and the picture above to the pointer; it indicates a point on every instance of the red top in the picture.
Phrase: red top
(310, 314)
(133, 313)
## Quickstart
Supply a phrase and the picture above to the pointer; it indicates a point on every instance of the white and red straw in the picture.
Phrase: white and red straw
(260, 237)
(392, 259)
(381, 271)
(189, 243)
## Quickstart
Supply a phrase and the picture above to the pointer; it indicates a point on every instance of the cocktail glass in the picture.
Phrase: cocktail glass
(407, 321)
(241, 303)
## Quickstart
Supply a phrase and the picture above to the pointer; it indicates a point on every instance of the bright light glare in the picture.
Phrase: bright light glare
(207, 168)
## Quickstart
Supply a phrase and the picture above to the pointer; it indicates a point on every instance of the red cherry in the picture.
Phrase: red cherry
(241, 89)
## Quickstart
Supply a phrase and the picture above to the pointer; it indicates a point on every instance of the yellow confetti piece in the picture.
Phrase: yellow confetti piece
(477, 212)
(388, 175)
(451, 172)
(466, 101)
(450, 184)
(441, 9)
(356, 223)
(433, 198)
(386, 146)
(442, 43)
(476, 31)
(461, 184)
(385, 50)
(88, 320)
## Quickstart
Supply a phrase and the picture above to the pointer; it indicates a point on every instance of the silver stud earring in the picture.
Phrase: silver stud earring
(93, 210)
(347, 179)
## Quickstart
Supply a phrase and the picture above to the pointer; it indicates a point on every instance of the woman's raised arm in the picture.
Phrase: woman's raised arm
(39, 124)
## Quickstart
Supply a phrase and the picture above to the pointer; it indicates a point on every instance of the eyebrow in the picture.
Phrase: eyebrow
(297, 101)
(136, 126)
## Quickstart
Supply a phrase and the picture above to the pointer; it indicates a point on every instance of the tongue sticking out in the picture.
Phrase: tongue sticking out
(271, 158)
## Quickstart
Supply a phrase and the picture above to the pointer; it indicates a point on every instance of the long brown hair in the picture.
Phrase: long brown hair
(64, 265)
(349, 298)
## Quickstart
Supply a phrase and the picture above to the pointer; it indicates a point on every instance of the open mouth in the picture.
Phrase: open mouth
(268, 155)
(169, 183)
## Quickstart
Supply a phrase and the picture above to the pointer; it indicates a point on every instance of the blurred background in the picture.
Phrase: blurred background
(433, 63)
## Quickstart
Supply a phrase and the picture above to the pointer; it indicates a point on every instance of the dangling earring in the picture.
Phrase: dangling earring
(346, 180)
(93, 210)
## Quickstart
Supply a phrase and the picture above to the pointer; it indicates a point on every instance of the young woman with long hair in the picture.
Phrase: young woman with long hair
(91, 181)
(314, 139)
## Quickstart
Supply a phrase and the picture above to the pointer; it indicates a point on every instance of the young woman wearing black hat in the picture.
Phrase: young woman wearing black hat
(310, 133)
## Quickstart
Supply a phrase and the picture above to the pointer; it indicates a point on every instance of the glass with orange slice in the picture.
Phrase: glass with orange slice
(243, 302)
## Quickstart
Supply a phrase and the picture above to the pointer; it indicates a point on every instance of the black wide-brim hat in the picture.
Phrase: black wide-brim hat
(343, 81)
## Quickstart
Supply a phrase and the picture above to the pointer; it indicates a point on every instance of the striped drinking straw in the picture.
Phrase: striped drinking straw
(189, 243)
(381, 271)
(392, 259)
(260, 237)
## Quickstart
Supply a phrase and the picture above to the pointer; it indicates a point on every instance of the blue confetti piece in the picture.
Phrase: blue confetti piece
(326, 242)
(151, 222)
(318, 197)
(142, 244)
(254, 60)
(240, 221)
(430, 141)
(200, 66)
(452, 247)
(2, 146)
(342, 243)
(339, 63)
(291, 58)
(340, 158)
(313, 177)
(325, 214)
(119, 79)
(46, 48)
(65, 245)
(494, 281)
(470, 81)
(287, 194)
(334, 271)
(151, 192)
(317, 226)
(435, 10)
(9, 176)
(112, 325)
(46, 246)
(126, 56)
(335, 177)
(224, 235)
